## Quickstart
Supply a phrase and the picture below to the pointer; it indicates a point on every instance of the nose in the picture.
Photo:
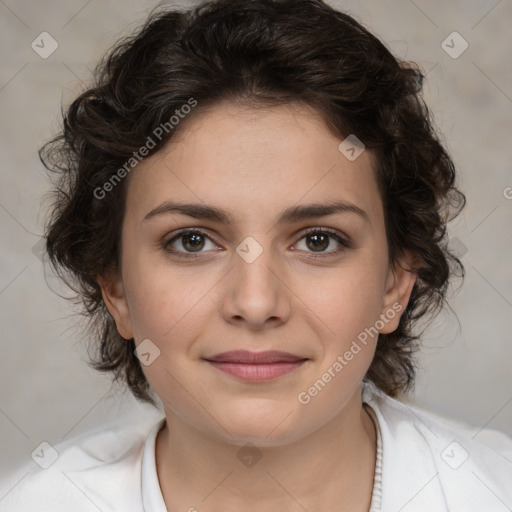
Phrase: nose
(256, 294)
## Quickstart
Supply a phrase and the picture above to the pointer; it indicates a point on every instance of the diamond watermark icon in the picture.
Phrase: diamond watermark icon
(454, 455)
(249, 455)
(249, 249)
(457, 247)
(44, 45)
(39, 249)
(454, 45)
(351, 147)
(45, 455)
(147, 352)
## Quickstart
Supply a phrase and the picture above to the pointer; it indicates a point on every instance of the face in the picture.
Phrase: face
(255, 268)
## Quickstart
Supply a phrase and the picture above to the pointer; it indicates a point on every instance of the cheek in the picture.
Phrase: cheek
(347, 300)
(165, 314)
(350, 307)
(163, 299)
(170, 309)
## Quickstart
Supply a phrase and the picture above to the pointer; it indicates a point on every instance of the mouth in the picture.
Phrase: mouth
(256, 366)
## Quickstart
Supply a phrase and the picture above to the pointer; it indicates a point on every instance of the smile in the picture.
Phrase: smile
(257, 372)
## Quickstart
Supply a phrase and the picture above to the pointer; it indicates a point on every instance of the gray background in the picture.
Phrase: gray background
(47, 391)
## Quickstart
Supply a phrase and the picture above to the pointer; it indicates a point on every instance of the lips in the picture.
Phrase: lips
(256, 366)
(247, 357)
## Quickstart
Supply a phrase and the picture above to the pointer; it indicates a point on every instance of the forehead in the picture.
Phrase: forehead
(254, 160)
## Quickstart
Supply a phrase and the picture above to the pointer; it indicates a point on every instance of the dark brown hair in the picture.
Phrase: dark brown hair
(260, 53)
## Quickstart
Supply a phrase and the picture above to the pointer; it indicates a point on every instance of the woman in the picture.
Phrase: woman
(252, 206)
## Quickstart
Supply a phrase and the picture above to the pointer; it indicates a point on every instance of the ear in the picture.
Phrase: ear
(399, 284)
(114, 297)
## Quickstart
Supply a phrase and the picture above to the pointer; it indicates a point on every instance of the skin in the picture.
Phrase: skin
(255, 163)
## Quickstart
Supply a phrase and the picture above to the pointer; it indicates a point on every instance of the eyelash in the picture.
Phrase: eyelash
(344, 243)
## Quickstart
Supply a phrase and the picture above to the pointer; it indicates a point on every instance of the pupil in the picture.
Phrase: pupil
(323, 239)
(194, 242)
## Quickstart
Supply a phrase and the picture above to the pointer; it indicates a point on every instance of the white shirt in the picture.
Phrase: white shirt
(425, 463)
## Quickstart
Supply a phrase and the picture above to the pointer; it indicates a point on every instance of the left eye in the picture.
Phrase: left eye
(318, 241)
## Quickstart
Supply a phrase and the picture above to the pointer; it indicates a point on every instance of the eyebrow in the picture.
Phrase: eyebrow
(288, 216)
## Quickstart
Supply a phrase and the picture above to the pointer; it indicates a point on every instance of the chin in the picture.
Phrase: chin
(261, 423)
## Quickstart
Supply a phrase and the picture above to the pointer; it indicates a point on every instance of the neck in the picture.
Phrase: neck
(329, 469)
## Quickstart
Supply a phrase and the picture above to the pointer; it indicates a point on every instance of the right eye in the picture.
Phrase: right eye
(192, 241)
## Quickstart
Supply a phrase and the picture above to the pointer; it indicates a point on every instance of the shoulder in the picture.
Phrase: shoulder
(429, 456)
(98, 469)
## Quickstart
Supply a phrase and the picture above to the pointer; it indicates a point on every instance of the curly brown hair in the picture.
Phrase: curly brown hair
(261, 53)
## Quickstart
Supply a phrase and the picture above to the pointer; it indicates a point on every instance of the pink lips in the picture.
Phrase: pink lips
(256, 366)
